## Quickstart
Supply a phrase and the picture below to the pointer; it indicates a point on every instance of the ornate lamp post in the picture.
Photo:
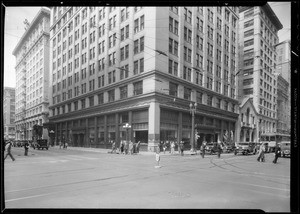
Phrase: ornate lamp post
(127, 127)
(193, 109)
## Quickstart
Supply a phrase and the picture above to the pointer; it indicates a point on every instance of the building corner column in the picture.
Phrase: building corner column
(153, 126)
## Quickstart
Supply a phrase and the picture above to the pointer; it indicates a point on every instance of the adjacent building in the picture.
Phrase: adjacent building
(258, 58)
(143, 66)
(9, 113)
(32, 76)
(283, 106)
(283, 69)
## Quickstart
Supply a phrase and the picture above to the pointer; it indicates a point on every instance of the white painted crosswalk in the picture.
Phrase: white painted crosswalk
(53, 160)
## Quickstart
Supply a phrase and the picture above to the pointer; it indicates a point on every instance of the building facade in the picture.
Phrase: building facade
(32, 76)
(283, 50)
(248, 128)
(258, 58)
(284, 86)
(9, 113)
(283, 106)
(143, 66)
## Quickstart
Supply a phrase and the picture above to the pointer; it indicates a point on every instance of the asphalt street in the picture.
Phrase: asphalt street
(91, 178)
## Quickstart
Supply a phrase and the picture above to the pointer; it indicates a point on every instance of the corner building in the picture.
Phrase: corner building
(257, 75)
(32, 77)
(142, 66)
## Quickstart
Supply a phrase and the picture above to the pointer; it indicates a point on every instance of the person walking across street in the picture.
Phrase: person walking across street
(26, 147)
(219, 149)
(202, 148)
(164, 147)
(172, 147)
(8, 151)
(277, 153)
(181, 147)
(137, 147)
(113, 147)
(261, 153)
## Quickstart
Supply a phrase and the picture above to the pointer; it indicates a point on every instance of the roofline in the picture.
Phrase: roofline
(248, 99)
(33, 22)
(270, 13)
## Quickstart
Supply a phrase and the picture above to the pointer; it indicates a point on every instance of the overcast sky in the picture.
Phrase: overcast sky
(14, 29)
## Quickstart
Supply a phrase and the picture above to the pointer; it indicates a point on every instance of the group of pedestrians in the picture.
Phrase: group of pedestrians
(125, 147)
(262, 150)
(8, 150)
(63, 144)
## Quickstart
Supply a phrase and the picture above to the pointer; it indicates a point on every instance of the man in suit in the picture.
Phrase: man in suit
(277, 153)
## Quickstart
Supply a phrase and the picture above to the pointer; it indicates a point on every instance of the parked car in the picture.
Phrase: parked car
(40, 144)
(211, 148)
(285, 149)
(227, 148)
(245, 148)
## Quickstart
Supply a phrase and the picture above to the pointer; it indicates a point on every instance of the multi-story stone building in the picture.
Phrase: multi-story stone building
(283, 50)
(257, 40)
(32, 76)
(9, 113)
(143, 66)
(283, 69)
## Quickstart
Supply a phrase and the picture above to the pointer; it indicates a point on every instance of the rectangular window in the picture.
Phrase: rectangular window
(123, 92)
(138, 88)
(100, 99)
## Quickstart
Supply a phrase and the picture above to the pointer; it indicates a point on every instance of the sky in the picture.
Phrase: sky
(14, 29)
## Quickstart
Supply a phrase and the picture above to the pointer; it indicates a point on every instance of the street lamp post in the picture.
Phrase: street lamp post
(193, 108)
(127, 127)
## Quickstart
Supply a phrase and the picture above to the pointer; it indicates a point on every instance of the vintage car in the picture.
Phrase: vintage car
(245, 148)
(211, 148)
(285, 149)
(40, 144)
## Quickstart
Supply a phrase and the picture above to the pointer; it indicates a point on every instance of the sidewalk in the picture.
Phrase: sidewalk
(105, 151)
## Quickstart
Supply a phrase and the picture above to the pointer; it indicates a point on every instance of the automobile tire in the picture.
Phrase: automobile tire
(47, 148)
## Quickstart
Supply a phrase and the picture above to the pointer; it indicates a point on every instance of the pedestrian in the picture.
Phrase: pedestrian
(113, 147)
(8, 151)
(219, 149)
(26, 147)
(261, 153)
(122, 147)
(181, 147)
(130, 148)
(203, 145)
(138, 147)
(164, 147)
(172, 147)
(157, 158)
(277, 153)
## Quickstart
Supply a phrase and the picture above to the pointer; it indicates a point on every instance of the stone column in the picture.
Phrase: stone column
(117, 140)
(222, 129)
(130, 131)
(250, 135)
(179, 127)
(96, 131)
(244, 135)
(105, 130)
(87, 136)
(153, 126)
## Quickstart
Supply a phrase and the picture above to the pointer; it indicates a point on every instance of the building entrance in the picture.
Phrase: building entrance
(141, 136)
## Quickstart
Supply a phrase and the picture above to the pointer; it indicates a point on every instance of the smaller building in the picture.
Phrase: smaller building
(283, 106)
(248, 129)
(9, 113)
